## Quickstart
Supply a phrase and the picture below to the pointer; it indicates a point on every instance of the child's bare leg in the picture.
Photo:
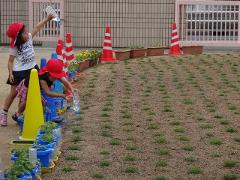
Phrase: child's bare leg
(9, 99)
(21, 106)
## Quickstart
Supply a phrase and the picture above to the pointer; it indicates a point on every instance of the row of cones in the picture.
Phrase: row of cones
(108, 53)
(66, 53)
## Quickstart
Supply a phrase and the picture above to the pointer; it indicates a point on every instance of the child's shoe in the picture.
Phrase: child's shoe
(3, 119)
(15, 117)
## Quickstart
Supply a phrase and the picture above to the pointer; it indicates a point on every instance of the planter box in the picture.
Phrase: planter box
(137, 53)
(122, 55)
(93, 62)
(192, 50)
(83, 65)
(155, 51)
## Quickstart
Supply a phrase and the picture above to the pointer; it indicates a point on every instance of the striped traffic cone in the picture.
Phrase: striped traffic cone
(174, 49)
(107, 53)
(69, 48)
(59, 51)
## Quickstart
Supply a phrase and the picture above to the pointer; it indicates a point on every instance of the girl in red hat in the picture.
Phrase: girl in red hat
(21, 61)
(50, 73)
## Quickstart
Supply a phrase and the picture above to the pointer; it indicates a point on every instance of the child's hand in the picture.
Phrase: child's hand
(11, 78)
(50, 17)
(69, 98)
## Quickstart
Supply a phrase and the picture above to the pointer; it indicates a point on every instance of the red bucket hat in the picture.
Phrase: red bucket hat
(12, 32)
(54, 68)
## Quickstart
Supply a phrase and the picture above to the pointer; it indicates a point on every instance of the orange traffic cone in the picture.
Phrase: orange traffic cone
(174, 49)
(69, 48)
(107, 53)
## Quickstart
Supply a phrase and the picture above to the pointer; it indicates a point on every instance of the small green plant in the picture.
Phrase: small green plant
(215, 141)
(209, 134)
(160, 140)
(131, 147)
(230, 163)
(183, 138)
(230, 177)
(106, 133)
(163, 152)
(104, 114)
(67, 169)
(224, 122)
(188, 102)
(218, 117)
(161, 163)
(127, 115)
(160, 178)
(98, 176)
(232, 108)
(195, 170)
(104, 152)
(72, 158)
(22, 165)
(115, 142)
(76, 139)
(107, 126)
(48, 127)
(175, 123)
(179, 130)
(107, 109)
(189, 159)
(231, 130)
(129, 158)
(131, 169)
(74, 148)
(21, 152)
(153, 126)
(76, 130)
(206, 126)
(48, 137)
(128, 123)
(188, 147)
(105, 163)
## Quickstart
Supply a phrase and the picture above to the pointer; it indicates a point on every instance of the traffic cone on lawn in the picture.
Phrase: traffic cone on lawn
(174, 49)
(33, 115)
(107, 53)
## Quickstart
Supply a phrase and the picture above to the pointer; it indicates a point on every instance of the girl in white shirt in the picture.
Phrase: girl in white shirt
(21, 61)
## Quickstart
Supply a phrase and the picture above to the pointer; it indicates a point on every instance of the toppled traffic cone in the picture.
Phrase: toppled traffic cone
(174, 49)
(107, 53)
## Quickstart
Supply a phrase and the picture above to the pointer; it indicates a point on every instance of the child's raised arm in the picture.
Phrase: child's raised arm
(37, 28)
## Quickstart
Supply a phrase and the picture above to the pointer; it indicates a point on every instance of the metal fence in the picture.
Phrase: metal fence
(208, 23)
(133, 22)
(11, 10)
